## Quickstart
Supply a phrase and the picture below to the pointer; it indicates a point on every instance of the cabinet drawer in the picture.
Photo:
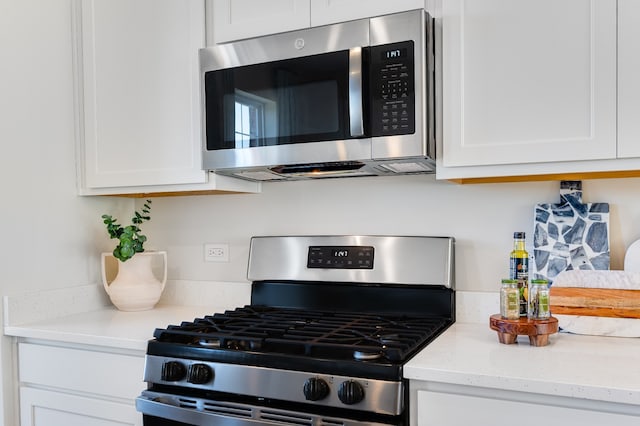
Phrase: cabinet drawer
(103, 373)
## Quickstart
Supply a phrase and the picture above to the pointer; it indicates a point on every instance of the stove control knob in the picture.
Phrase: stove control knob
(350, 392)
(315, 389)
(173, 371)
(199, 374)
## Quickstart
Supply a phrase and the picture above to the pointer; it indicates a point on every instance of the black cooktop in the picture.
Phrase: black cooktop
(365, 345)
(317, 334)
(330, 328)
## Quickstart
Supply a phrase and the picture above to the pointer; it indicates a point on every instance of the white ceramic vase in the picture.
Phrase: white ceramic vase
(135, 287)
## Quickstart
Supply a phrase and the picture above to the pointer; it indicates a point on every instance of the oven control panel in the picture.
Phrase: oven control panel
(190, 376)
(340, 257)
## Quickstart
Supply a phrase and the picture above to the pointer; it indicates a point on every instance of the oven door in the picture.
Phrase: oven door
(167, 409)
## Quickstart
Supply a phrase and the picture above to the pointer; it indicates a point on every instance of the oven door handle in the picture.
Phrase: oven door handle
(356, 125)
(196, 411)
(156, 407)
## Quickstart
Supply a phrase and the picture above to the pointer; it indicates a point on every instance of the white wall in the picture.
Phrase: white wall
(482, 218)
(51, 238)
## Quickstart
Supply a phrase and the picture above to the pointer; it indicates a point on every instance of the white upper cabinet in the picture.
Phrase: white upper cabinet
(528, 81)
(138, 96)
(325, 12)
(239, 19)
(628, 81)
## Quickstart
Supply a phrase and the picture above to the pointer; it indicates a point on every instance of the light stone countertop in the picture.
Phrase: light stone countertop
(575, 366)
(468, 353)
(110, 327)
(84, 315)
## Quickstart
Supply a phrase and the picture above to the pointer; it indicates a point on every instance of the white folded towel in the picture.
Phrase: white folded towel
(598, 279)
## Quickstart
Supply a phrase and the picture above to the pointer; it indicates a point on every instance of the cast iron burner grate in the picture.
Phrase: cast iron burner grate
(317, 334)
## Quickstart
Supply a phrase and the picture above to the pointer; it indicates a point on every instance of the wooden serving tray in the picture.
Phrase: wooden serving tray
(599, 302)
(537, 330)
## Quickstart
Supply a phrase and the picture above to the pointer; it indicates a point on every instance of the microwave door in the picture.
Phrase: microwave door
(294, 101)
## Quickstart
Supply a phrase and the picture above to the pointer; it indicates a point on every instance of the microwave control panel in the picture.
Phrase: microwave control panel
(392, 74)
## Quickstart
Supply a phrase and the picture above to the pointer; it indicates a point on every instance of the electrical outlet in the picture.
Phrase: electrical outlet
(216, 252)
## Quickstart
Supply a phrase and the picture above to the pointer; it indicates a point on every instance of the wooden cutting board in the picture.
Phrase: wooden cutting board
(599, 302)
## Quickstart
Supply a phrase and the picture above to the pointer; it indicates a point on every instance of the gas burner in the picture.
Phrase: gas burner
(209, 342)
(366, 356)
(243, 344)
(389, 339)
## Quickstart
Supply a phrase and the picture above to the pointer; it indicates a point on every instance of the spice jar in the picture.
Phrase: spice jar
(510, 299)
(538, 302)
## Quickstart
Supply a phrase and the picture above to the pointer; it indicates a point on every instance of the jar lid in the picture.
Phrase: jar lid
(539, 282)
(509, 281)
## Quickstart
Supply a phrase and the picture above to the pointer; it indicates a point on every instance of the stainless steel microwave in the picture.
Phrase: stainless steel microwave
(349, 99)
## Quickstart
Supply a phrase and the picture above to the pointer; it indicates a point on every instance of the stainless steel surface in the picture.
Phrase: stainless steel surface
(384, 155)
(259, 158)
(294, 44)
(384, 396)
(416, 27)
(202, 412)
(397, 259)
(356, 124)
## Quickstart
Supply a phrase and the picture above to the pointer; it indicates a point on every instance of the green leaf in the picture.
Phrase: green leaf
(130, 240)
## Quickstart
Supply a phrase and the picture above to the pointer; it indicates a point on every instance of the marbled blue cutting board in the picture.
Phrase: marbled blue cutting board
(570, 235)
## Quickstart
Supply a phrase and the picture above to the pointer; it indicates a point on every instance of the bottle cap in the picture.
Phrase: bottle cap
(519, 235)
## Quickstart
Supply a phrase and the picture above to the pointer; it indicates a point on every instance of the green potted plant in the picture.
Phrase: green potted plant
(130, 239)
(135, 287)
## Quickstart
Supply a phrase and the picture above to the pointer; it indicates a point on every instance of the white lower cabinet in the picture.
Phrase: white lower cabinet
(49, 408)
(78, 386)
(465, 405)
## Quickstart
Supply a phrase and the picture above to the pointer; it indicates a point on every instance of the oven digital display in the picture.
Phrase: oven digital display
(341, 253)
(340, 257)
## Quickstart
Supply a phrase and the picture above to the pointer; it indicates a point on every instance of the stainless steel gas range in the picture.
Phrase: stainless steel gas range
(331, 323)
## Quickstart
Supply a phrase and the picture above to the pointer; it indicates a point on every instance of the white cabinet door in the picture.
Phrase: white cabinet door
(628, 82)
(77, 386)
(46, 408)
(325, 12)
(528, 81)
(238, 19)
(436, 409)
(113, 375)
(140, 102)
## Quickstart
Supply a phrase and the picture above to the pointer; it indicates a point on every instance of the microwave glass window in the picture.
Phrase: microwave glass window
(292, 101)
(249, 119)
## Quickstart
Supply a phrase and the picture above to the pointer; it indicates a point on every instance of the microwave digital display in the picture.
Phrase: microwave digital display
(394, 54)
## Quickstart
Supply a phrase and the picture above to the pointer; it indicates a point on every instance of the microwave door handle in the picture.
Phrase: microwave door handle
(355, 92)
